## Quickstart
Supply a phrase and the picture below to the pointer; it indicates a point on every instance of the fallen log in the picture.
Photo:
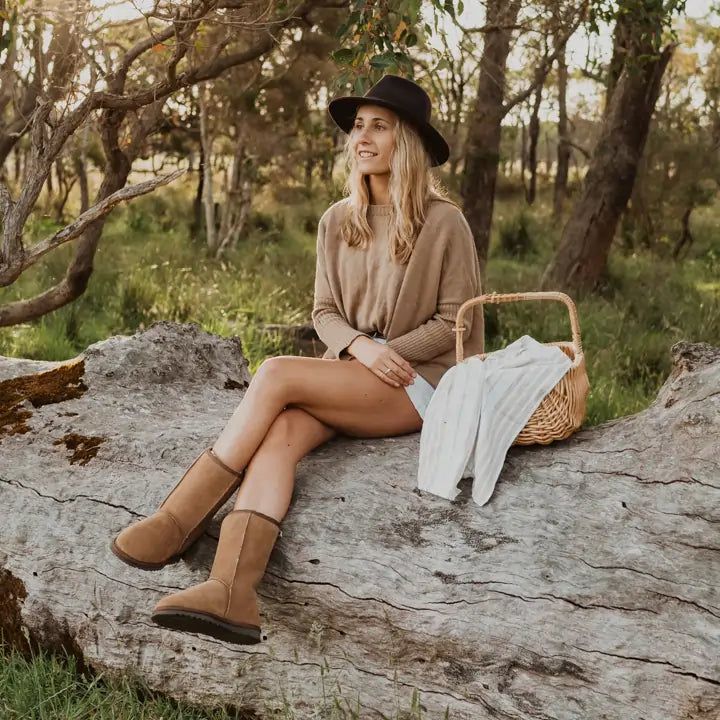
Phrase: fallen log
(586, 588)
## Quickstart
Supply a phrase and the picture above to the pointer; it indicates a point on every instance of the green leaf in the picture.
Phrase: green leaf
(382, 61)
(6, 40)
(460, 7)
(411, 40)
(359, 86)
(344, 56)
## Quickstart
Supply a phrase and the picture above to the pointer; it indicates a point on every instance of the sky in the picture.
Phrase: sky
(582, 93)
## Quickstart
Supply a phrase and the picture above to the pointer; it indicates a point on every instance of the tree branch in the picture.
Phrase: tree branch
(542, 71)
(583, 150)
(6, 201)
(76, 228)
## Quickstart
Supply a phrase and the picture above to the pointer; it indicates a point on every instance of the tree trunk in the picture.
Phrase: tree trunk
(686, 237)
(238, 198)
(197, 222)
(580, 260)
(310, 161)
(17, 152)
(533, 135)
(523, 154)
(622, 41)
(587, 588)
(563, 146)
(637, 224)
(206, 141)
(81, 171)
(483, 146)
(80, 268)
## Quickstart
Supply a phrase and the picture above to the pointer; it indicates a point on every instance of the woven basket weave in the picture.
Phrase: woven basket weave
(562, 410)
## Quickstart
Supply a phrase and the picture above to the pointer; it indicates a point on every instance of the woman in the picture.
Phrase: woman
(395, 260)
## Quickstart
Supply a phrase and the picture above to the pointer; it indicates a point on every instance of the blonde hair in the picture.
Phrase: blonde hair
(411, 186)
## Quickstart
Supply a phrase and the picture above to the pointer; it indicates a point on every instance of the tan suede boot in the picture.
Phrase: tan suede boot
(165, 535)
(226, 605)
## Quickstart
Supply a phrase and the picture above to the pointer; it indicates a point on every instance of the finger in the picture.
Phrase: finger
(385, 377)
(403, 363)
(405, 376)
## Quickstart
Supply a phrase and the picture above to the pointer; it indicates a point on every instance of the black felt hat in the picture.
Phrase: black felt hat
(404, 97)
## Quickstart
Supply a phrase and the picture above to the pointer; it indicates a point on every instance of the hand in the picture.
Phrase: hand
(378, 357)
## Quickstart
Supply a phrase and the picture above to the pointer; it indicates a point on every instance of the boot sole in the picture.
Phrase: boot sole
(139, 564)
(207, 624)
(199, 530)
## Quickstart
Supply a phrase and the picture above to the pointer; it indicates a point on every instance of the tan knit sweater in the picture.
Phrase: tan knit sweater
(362, 291)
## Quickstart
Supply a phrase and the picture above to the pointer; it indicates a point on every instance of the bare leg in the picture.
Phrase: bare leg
(343, 395)
(270, 476)
(292, 405)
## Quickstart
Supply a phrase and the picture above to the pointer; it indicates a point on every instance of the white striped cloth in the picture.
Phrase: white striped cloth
(478, 409)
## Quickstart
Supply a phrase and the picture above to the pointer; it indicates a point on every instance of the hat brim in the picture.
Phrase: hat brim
(343, 109)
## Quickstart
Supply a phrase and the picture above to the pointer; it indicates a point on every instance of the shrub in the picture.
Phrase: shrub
(516, 237)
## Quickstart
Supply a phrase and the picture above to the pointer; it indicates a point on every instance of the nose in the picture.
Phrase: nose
(360, 135)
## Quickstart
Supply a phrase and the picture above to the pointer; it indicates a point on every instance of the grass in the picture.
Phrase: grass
(53, 687)
(45, 686)
(646, 303)
(148, 268)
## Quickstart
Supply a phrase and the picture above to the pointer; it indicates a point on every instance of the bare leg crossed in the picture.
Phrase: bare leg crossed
(294, 404)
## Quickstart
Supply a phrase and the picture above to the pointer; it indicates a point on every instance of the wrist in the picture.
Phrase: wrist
(354, 344)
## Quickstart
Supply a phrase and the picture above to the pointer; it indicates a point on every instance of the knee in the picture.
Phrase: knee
(282, 434)
(272, 371)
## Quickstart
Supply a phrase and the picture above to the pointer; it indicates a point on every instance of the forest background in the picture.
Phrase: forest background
(585, 142)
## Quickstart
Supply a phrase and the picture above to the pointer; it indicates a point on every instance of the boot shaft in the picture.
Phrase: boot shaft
(246, 542)
(205, 483)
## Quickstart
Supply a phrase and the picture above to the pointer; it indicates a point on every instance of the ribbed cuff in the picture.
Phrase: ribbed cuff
(336, 335)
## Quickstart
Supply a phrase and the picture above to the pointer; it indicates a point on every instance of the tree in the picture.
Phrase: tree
(563, 144)
(485, 122)
(580, 259)
(680, 168)
(178, 45)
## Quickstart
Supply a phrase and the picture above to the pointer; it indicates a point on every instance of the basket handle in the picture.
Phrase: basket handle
(497, 298)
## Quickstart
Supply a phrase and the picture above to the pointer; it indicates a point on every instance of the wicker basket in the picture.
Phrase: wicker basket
(562, 410)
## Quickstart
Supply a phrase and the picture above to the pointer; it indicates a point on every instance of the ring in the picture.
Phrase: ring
(387, 370)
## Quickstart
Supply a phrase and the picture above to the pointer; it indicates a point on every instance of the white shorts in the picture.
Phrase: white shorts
(420, 391)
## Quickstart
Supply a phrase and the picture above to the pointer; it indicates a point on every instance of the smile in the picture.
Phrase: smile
(366, 154)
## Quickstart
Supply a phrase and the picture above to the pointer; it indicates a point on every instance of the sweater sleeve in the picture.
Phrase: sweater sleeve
(459, 281)
(329, 322)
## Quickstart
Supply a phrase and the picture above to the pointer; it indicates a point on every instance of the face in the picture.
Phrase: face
(372, 139)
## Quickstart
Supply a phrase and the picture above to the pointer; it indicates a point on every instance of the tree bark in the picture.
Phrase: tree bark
(580, 260)
(51, 131)
(206, 140)
(81, 170)
(238, 197)
(483, 145)
(686, 237)
(533, 135)
(586, 588)
(622, 47)
(196, 224)
(523, 153)
(563, 147)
